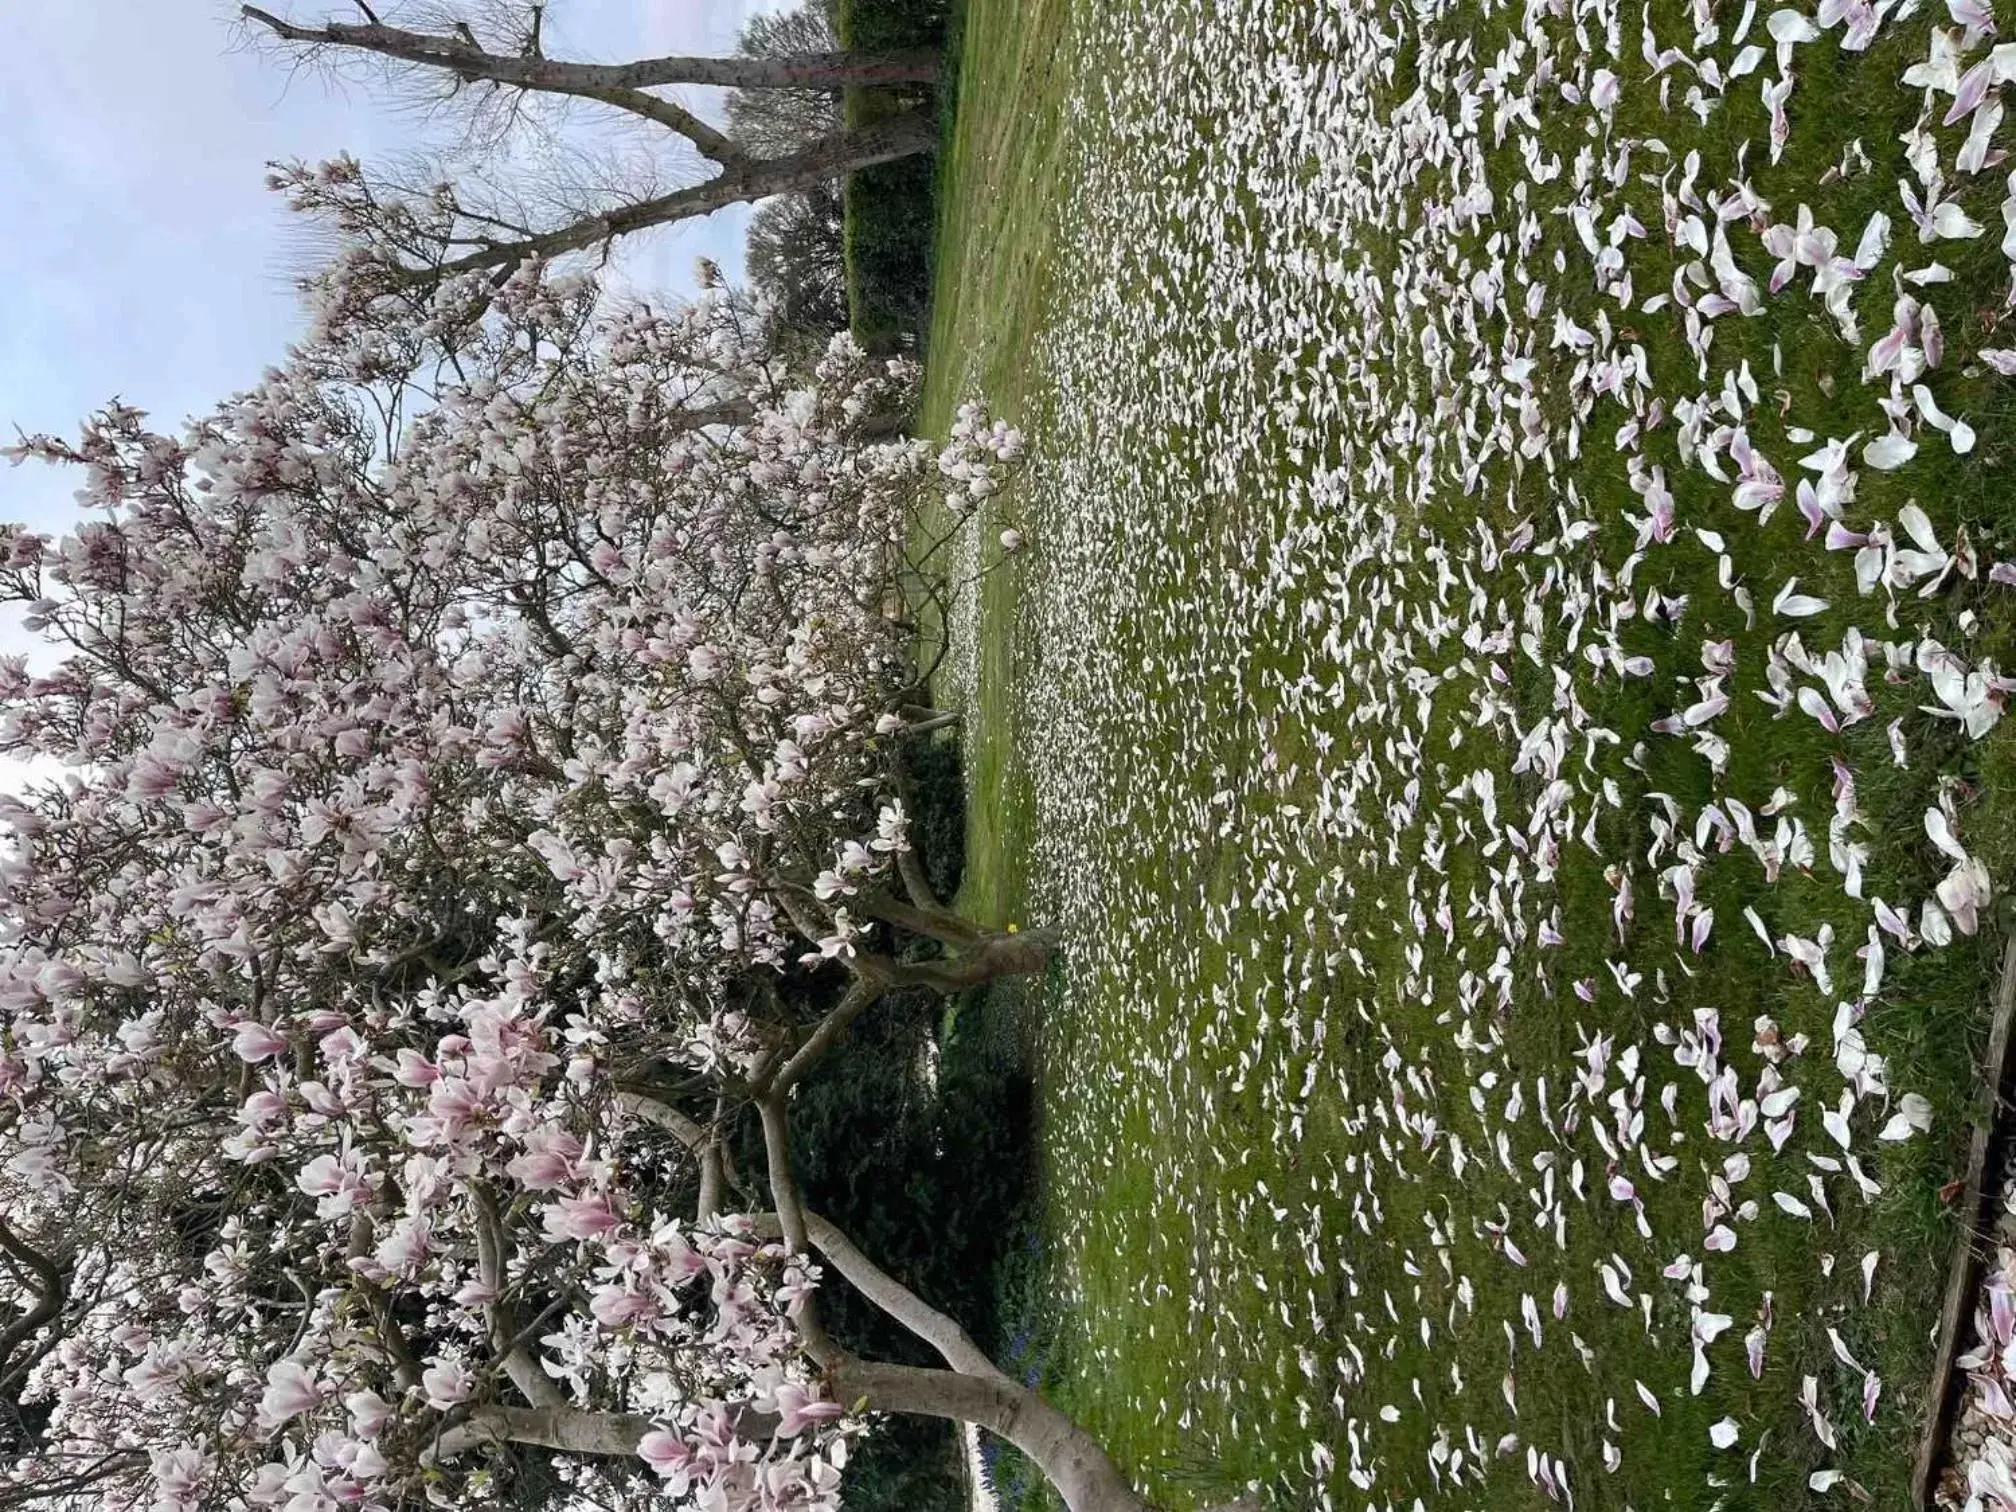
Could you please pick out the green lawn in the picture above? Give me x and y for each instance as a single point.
(1223, 727)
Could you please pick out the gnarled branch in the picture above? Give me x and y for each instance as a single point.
(463, 56)
(505, 1335)
(935, 1328)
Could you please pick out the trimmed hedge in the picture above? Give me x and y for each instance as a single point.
(890, 215)
(890, 25)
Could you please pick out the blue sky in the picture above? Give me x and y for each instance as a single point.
(142, 255)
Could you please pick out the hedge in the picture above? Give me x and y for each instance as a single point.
(890, 215)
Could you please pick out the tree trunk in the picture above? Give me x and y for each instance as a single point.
(458, 55)
(898, 136)
(1069, 1457)
(994, 956)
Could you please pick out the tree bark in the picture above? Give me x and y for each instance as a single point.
(935, 1328)
(924, 917)
(993, 957)
(899, 136)
(866, 990)
(566, 1429)
(1072, 1459)
(457, 55)
(51, 1292)
(974, 1391)
(492, 1264)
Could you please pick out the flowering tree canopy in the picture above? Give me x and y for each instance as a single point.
(467, 732)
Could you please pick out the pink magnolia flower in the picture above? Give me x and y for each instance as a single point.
(444, 1383)
(406, 1245)
(412, 1069)
(179, 1476)
(255, 1042)
(800, 1408)
(618, 1306)
(581, 1218)
(669, 1455)
(369, 1413)
(290, 1391)
(262, 1108)
(551, 1158)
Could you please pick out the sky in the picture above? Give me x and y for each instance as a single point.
(143, 257)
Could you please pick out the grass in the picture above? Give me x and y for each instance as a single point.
(1163, 710)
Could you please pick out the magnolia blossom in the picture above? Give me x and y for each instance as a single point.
(291, 1389)
(445, 1383)
(392, 861)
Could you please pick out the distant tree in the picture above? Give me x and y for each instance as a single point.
(404, 232)
(773, 122)
(794, 261)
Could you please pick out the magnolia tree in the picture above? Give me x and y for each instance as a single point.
(470, 733)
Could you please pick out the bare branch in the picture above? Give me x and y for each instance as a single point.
(898, 136)
(867, 986)
(466, 58)
(491, 1263)
(49, 1286)
(461, 54)
(813, 1338)
(935, 1328)
(652, 1110)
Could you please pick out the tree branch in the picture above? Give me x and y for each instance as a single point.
(717, 1168)
(1083, 1473)
(533, 70)
(925, 918)
(569, 1430)
(651, 1110)
(464, 57)
(935, 1328)
(898, 136)
(812, 1335)
(405, 1368)
(49, 1293)
(862, 994)
(519, 1365)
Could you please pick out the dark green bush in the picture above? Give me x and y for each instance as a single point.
(890, 221)
(891, 25)
(889, 228)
